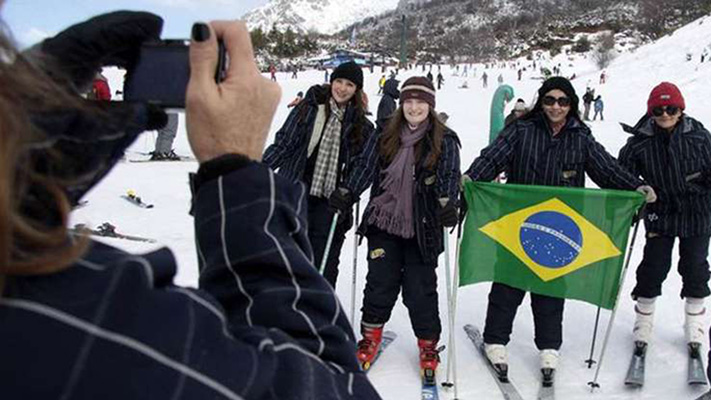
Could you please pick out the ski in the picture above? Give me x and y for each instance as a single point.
(547, 390)
(705, 396)
(508, 390)
(80, 204)
(107, 230)
(429, 385)
(388, 337)
(696, 373)
(131, 197)
(635, 372)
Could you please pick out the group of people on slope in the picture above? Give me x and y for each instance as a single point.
(263, 323)
(411, 160)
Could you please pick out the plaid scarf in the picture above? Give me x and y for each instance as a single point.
(323, 181)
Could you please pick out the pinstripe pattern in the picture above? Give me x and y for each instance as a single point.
(264, 326)
(677, 167)
(288, 153)
(429, 186)
(530, 154)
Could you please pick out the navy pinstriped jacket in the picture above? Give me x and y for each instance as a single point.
(430, 185)
(531, 155)
(264, 324)
(288, 153)
(677, 166)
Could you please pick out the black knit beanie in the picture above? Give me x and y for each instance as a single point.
(562, 84)
(350, 71)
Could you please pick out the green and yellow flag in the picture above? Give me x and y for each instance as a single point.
(555, 241)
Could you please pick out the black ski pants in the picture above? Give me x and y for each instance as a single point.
(656, 263)
(394, 263)
(503, 304)
(320, 219)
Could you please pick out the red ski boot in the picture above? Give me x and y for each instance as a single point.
(370, 344)
(429, 356)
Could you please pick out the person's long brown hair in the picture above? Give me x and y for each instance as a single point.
(356, 134)
(390, 139)
(29, 246)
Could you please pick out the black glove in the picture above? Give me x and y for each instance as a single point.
(82, 143)
(341, 200)
(115, 39)
(448, 215)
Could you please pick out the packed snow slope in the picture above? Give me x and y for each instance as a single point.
(630, 79)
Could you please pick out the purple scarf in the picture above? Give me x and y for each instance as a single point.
(392, 210)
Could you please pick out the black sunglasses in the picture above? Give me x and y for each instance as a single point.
(562, 101)
(670, 110)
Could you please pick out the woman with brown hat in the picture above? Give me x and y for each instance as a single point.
(413, 164)
(672, 152)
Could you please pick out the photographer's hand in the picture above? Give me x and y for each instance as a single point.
(233, 116)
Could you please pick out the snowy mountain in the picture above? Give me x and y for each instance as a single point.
(323, 16)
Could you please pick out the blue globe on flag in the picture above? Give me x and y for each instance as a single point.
(551, 239)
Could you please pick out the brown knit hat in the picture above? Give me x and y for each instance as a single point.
(418, 87)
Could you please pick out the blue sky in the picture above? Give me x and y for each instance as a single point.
(32, 20)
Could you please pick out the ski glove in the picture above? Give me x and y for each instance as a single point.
(81, 144)
(649, 195)
(78, 53)
(341, 200)
(447, 213)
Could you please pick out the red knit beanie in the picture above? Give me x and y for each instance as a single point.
(418, 87)
(665, 94)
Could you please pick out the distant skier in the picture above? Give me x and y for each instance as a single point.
(587, 101)
(387, 103)
(430, 77)
(485, 80)
(440, 80)
(381, 84)
(100, 89)
(500, 79)
(603, 77)
(599, 107)
(520, 73)
(517, 112)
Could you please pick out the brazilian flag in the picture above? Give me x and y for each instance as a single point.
(550, 240)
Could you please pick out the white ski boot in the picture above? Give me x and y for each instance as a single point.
(643, 324)
(549, 358)
(499, 358)
(694, 321)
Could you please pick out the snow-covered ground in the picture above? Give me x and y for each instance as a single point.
(630, 79)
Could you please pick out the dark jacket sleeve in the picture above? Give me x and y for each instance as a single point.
(605, 171)
(448, 169)
(385, 110)
(254, 255)
(364, 166)
(285, 139)
(495, 157)
(627, 158)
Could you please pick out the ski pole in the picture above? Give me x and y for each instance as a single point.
(455, 289)
(448, 281)
(590, 360)
(331, 232)
(355, 262)
(593, 384)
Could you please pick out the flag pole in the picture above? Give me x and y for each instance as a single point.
(590, 362)
(594, 383)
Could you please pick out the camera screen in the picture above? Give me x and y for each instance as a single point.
(161, 74)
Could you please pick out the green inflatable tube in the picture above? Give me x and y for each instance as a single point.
(503, 95)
